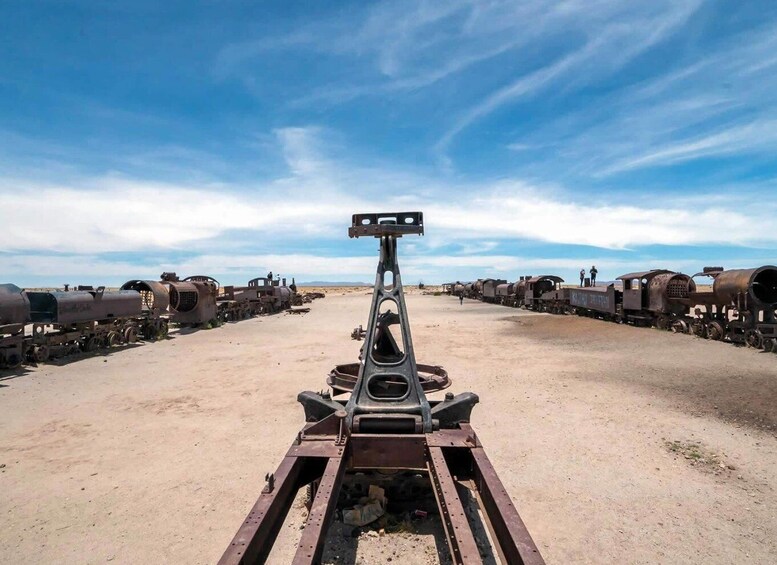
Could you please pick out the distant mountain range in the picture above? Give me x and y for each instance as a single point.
(329, 283)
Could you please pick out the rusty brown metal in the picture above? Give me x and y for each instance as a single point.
(747, 286)
(154, 296)
(14, 314)
(311, 544)
(343, 377)
(461, 541)
(490, 289)
(387, 431)
(535, 287)
(193, 302)
(77, 306)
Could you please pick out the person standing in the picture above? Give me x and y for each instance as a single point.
(461, 299)
(582, 276)
(594, 272)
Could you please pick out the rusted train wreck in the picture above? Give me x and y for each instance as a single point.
(740, 307)
(36, 326)
(388, 432)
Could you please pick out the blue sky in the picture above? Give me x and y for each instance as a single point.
(231, 138)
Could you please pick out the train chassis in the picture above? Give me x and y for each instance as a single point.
(58, 340)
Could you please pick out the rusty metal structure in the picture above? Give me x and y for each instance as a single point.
(84, 318)
(386, 431)
(14, 314)
(655, 297)
(64, 322)
(490, 289)
(155, 304)
(273, 295)
(193, 299)
(535, 287)
(741, 307)
(262, 295)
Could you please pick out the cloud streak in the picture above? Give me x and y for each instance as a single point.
(114, 214)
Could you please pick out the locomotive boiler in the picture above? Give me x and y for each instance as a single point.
(14, 314)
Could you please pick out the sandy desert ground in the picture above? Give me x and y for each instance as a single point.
(618, 444)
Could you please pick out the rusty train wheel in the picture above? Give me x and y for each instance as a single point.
(40, 353)
(13, 361)
(715, 331)
(112, 339)
(754, 338)
(768, 344)
(680, 327)
(130, 335)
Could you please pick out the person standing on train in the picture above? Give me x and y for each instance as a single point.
(582, 276)
(594, 272)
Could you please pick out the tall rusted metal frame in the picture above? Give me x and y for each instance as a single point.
(386, 425)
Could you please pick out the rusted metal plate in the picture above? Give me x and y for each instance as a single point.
(464, 549)
(317, 448)
(453, 438)
(388, 451)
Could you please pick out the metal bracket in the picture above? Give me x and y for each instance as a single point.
(395, 224)
(388, 383)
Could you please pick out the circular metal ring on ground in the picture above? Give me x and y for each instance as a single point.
(343, 377)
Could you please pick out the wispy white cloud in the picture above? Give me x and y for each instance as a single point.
(317, 197)
(719, 104)
(755, 136)
(613, 38)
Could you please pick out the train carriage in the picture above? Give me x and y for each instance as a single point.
(597, 301)
(489, 289)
